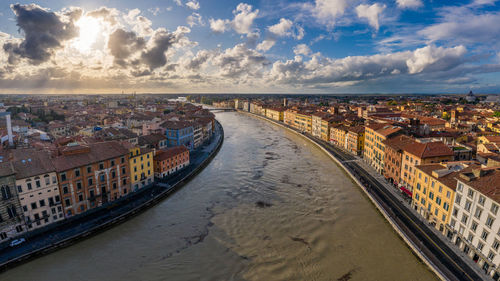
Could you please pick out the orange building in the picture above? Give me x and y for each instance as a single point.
(170, 160)
(91, 175)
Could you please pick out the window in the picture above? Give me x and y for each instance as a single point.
(417, 197)
(431, 195)
(123, 159)
(460, 187)
(124, 171)
(491, 256)
(496, 244)
(124, 181)
(481, 200)
(470, 237)
(464, 218)
(37, 183)
(89, 169)
(67, 202)
(440, 188)
(54, 179)
(452, 223)
(101, 165)
(80, 197)
(470, 194)
(65, 189)
(448, 194)
(446, 206)
(102, 178)
(112, 162)
(494, 208)
(30, 187)
(90, 181)
(480, 245)
(34, 206)
(19, 189)
(484, 236)
(11, 211)
(5, 192)
(468, 204)
(438, 200)
(473, 226)
(489, 221)
(63, 176)
(79, 185)
(42, 203)
(478, 212)
(443, 218)
(47, 179)
(436, 212)
(113, 174)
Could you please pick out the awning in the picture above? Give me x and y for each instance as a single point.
(406, 191)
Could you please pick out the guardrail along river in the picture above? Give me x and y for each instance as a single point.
(270, 206)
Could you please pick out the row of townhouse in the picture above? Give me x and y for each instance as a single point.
(462, 200)
(38, 188)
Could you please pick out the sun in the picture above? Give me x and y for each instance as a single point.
(90, 28)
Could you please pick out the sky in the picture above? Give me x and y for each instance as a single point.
(210, 46)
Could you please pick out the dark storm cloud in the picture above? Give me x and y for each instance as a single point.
(122, 44)
(155, 56)
(44, 31)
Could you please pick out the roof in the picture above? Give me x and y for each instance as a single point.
(151, 139)
(6, 169)
(398, 142)
(81, 155)
(487, 183)
(175, 125)
(430, 149)
(448, 176)
(28, 163)
(388, 130)
(164, 154)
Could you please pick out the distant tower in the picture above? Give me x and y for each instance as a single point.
(285, 102)
(9, 127)
(470, 97)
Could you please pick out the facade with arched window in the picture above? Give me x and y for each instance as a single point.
(11, 216)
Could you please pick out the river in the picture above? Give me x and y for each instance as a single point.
(270, 206)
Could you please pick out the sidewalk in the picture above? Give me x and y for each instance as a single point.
(405, 203)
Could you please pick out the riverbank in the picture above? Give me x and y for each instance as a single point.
(428, 246)
(81, 227)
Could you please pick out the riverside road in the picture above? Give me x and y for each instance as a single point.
(452, 266)
(69, 231)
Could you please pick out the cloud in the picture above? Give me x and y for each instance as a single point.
(44, 32)
(409, 4)
(154, 56)
(122, 44)
(319, 70)
(282, 28)
(266, 45)
(239, 61)
(219, 25)
(328, 11)
(371, 13)
(178, 2)
(106, 14)
(193, 5)
(463, 25)
(243, 19)
(244, 15)
(194, 19)
(302, 49)
(155, 11)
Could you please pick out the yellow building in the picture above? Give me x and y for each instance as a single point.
(141, 167)
(374, 147)
(419, 154)
(303, 122)
(338, 135)
(326, 125)
(275, 113)
(434, 191)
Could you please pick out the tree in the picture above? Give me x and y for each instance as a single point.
(496, 114)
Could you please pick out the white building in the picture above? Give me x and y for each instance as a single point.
(37, 188)
(475, 218)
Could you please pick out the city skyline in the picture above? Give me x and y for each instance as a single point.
(402, 46)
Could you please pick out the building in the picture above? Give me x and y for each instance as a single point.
(375, 135)
(394, 157)
(289, 117)
(90, 175)
(316, 123)
(338, 135)
(11, 214)
(419, 154)
(275, 113)
(156, 141)
(303, 122)
(197, 134)
(141, 166)
(355, 139)
(475, 218)
(37, 187)
(170, 160)
(434, 191)
(179, 133)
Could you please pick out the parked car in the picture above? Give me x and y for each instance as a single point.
(16, 242)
